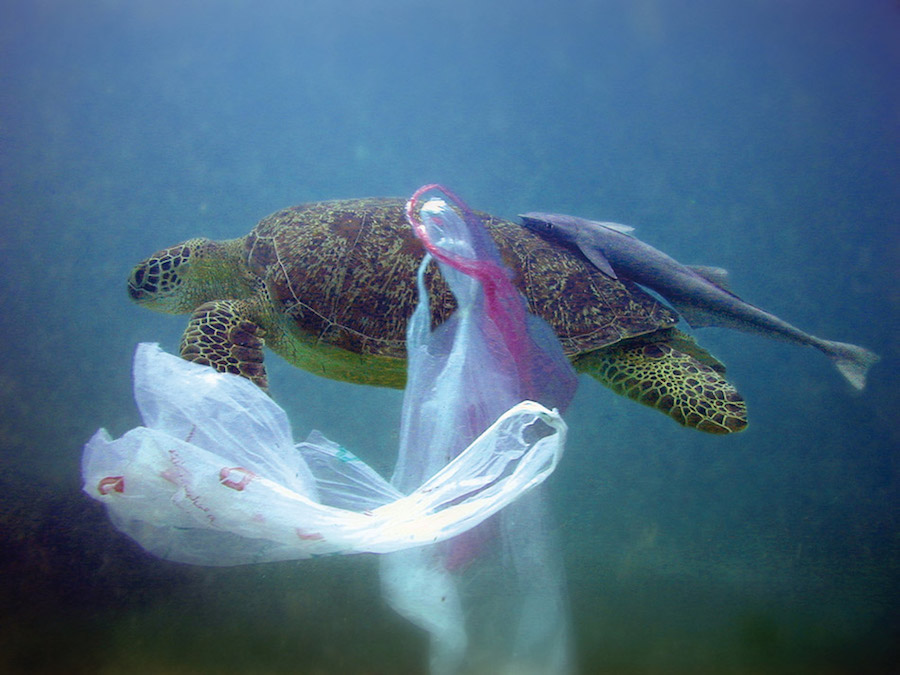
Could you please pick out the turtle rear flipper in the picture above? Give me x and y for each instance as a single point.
(674, 382)
(218, 335)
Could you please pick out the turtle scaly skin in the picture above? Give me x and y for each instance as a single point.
(217, 336)
(658, 375)
(329, 286)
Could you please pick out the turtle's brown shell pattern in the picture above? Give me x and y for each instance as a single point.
(344, 271)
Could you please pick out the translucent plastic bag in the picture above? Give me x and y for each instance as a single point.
(213, 477)
(493, 599)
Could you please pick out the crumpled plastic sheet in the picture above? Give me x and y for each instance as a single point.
(214, 478)
(493, 599)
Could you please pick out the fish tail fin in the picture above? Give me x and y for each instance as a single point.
(852, 361)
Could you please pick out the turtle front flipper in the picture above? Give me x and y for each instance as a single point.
(219, 336)
(674, 382)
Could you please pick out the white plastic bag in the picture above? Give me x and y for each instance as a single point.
(213, 478)
(492, 599)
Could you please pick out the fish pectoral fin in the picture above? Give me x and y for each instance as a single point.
(593, 253)
(714, 275)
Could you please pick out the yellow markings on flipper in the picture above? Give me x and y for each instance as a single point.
(660, 376)
(218, 336)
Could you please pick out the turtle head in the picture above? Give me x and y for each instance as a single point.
(178, 279)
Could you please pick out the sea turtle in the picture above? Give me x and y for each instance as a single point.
(330, 285)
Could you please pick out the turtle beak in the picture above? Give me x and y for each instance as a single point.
(136, 293)
(137, 283)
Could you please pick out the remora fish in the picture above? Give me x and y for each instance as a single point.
(699, 294)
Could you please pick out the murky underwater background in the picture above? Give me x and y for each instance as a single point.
(761, 136)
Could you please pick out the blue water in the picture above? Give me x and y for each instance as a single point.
(761, 136)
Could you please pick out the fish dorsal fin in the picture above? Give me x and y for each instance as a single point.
(618, 227)
(592, 252)
(714, 275)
